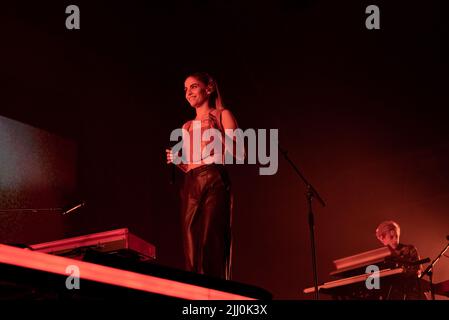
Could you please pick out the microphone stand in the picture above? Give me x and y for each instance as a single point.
(310, 194)
(45, 210)
(429, 271)
(30, 210)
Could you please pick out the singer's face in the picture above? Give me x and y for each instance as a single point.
(390, 238)
(195, 92)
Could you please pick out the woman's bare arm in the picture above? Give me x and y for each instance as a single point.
(229, 123)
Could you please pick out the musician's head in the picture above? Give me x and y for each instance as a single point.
(200, 89)
(388, 232)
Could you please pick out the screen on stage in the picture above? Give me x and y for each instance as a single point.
(37, 178)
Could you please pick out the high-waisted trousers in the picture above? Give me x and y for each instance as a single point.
(206, 210)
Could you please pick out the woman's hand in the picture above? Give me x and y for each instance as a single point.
(171, 157)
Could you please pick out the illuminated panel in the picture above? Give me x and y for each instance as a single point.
(55, 264)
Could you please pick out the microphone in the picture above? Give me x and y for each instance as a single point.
(422, 261)
(173, 174)
(407, 263)
(172, 177)
(82, 204)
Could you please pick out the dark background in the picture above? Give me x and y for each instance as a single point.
(362, 112)
(38, 170)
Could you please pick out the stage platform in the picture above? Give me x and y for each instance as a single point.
(31, 275)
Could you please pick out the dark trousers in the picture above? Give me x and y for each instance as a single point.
(206, 202)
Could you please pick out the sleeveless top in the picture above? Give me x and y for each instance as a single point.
(196, 129)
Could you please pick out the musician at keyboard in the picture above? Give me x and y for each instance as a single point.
(399, 266)
(402, 255)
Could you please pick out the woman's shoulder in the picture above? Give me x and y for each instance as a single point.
(222, 110)
(187, 124)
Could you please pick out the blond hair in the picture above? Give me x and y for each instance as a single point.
(386, 226)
